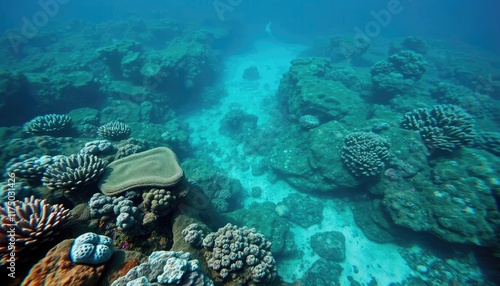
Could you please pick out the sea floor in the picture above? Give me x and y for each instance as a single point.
(272, 59)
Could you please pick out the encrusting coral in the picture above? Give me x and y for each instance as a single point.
(153, 168)
(29, 223)
(73, 172)
(50, 124)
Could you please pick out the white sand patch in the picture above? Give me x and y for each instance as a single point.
(381, 261)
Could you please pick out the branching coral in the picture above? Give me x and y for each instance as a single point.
(50, 124)
(444, 127)
(365, 153)
(73, 172)
(28, 223)
(116, 130)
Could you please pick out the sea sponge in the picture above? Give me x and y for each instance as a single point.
(157, 167)
(365, 153)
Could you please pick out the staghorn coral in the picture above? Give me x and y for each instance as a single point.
(49, 124)
(29, 223)
(73, 172)
(240, 254)
(365, 153)
(444, 127)
(116, 130)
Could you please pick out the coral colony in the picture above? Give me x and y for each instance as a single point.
(154, 155)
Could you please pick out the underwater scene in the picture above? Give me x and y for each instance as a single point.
(246, 142)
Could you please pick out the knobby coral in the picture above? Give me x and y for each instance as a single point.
(240, 254)
(443, 127)
(365, 153)
(28, 223)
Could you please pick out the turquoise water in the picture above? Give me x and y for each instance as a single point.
(345, 143)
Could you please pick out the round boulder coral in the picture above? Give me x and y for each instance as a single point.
(365, 153)
(50, 124)
(73, 172)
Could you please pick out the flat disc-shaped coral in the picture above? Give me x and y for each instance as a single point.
(153, 168)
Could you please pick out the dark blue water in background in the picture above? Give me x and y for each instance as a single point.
(471, 22)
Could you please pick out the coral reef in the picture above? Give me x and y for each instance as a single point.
(90, 248)
(365, 153)
(116, 130)
(153, 168)
(50, 124)
(73, 172)
(240, 254)
(489, 141)
(166, 267)
(30, 223)
(444, 127)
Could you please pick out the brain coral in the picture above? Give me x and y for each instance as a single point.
(365, 153)
(444, 127)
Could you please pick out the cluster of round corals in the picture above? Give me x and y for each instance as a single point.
(443, 127)
(73, 172)
(240, 254)
(158, 201)
(50, 124)
(365, 153)
(29, 223)
(115, 130)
